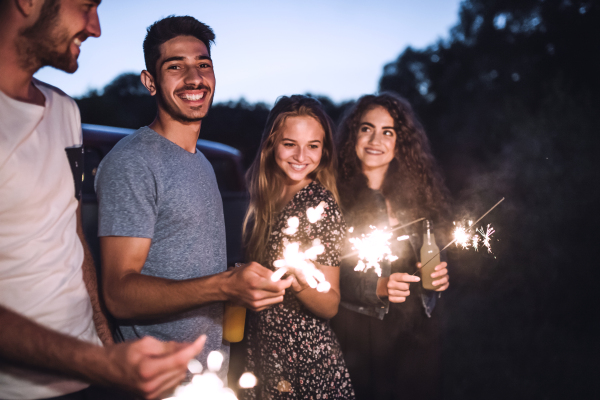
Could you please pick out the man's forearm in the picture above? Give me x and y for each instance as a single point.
(137, 296)
(28, 344)
(91, 283)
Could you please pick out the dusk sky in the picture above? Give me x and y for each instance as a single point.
(265, 49)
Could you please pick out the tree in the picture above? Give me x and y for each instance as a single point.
(510, 104)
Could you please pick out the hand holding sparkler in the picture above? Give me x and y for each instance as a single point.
(148, 366)
(396, 287)
(251, 286)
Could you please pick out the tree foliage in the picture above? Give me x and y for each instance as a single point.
(510, 104)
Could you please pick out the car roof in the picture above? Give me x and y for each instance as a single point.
(104, 134)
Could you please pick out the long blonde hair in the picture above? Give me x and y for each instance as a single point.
(265, 178)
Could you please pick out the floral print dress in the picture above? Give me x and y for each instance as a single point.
(293, 353)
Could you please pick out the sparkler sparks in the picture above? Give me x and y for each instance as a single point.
(374, 248)
(207, 385)
(314, 214)
(301, 263)
(293, 224)
(480, 218)
(486, 236)
(463, 237)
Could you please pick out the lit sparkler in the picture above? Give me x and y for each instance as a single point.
(474, 224)
(208, 385)
(314, 214)
(486, 236)
(302, 263)
(464, 238)
(292, 228)
(373, 248)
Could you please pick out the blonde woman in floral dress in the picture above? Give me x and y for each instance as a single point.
(290, 347)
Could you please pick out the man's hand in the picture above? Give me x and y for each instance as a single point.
(149, 367)
(250, 286)
(440, 271)
(396, 287)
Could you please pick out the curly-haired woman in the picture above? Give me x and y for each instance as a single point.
(388, 177)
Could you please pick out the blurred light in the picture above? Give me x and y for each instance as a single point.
(515, 77)
(500, 21)
(214, 361)
(435, 58)
(194, 366)
(247, 380)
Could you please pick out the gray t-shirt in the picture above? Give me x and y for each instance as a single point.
(149, 187)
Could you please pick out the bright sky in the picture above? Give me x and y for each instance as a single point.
(269, 48)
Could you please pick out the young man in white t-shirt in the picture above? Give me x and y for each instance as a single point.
(54, 339)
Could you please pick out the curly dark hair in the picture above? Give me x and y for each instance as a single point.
(412, 184)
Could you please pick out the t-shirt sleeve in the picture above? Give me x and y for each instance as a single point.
(127, 197)
(331, 230)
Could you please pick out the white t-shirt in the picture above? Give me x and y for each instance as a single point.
(40, 251)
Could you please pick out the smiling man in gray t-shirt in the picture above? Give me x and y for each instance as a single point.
(149, 187)
(161, 225)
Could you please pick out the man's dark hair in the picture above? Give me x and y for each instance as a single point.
(169, 28)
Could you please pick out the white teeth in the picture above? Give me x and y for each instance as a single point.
(298, 167)
(193, 97)
(374, 152)
(77, 42)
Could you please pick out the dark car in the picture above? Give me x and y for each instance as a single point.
(226, 161)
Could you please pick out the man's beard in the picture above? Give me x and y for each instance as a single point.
(177, 115)
(38, 45)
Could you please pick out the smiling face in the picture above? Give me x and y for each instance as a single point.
(376, 140)
(185, 79)
(54, 39)
(299, 150)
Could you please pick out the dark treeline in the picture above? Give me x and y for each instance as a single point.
(510, 102)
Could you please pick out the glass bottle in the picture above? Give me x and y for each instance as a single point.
(234, 319)
(430, 256)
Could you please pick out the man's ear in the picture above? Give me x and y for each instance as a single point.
(28, 7)
(148, 81)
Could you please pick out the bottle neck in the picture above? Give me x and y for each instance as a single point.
(428, 237)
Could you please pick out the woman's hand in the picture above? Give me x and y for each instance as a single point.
(441, 273)
(396, 287)
(299, 282)
(322, 304)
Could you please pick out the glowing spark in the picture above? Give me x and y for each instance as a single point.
(207, 385)
(214, 361)
(247, 380)
(194, 366)
(403, 237)
(314, 214)
(486, 236)
(293, 224)
(462, 236)
(372, 249)
(351, 229)
(475, 240)
(300, 263)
